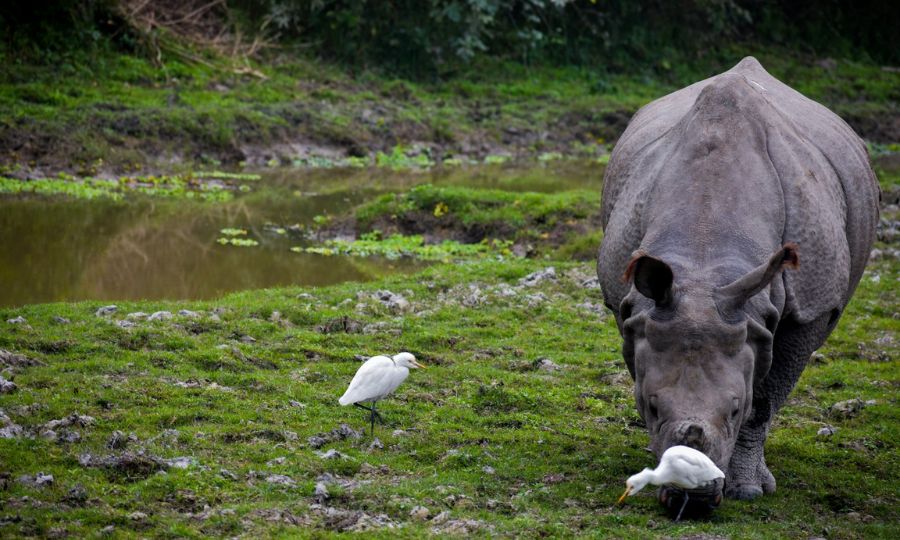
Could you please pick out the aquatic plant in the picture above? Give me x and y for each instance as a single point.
(398, 245)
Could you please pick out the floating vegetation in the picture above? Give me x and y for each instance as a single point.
(229, 231)
(398, 245)
(495, 160)
(175, 186)
(225, 175)
(399, 158)
(239, 242)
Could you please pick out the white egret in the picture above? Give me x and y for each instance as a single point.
(377, 378)
(682, 467)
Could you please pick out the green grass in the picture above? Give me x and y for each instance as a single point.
(558, 444)
(129, 113)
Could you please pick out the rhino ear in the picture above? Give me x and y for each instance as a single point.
(736, 293)
(652, 277)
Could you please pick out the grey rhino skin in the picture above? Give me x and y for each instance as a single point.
(710, 192)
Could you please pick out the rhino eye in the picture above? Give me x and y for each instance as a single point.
(652, 405)
(735, 407)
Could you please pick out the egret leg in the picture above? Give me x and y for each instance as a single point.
(372, 418)
(683, 505)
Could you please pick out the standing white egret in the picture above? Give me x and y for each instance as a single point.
(680, 466)
(378, 377)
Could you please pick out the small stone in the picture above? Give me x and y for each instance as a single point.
(189, 314)
(331, 454)
(60, 320)
(137, 516)
(108, 530)
(7, 387)
(106, 310)
(276, 461)
(441, 518)
(76, 495)
(136, 316)
(248, 339)
(545, 364)
(826, 431)
(376, 444)
(392, 301)
(317, 441)
(160, 316)
(487, 469)
(17, 320)
(182, 462)
(225, 473)
(321, 492)
(296, 404)
(846, 409)
(281, 480)
(125, 323)
(536, 278)
(420, 513)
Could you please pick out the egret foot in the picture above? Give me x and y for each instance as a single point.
(373, 415)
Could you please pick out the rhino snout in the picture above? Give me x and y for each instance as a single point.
(696, 435)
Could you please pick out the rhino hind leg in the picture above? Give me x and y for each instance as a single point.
(748, 476)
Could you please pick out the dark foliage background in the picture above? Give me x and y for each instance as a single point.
(432, 37)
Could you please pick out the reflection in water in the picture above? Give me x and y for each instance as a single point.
(62, 249)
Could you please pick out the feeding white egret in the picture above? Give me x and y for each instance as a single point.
(378, 377)
(680, 466)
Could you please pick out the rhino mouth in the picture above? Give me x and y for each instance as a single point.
(701, 502)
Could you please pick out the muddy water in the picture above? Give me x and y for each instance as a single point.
(54, 249)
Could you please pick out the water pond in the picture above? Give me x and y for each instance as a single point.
(141, 247)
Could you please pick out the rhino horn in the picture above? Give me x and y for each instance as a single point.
(736, 293)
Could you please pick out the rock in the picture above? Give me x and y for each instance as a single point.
(535, 299)
(137, 516)
(7, 387)
(591, 283)
(136, 465)
(11, 359)
(538, 277)
(160, 316)
(420, 513)
(392, 301)
(8, 428)
(341, 324)
(182, 462)
(598, 309)
(399, 433)
(876, 254)
(317, 441)
(340, 433)
(487, 469)
(106, 311)
(846, 409)
(376, 444)
(321, 492)
(60, 320)
(474, 298)
(331, 454)
(276, 461)
(545, 364)
(247, 339)
(118, 440)
(189, 314)
(826, 431)
(506, 290)
(108, 530)
(280, 480)
(296, 404)
(39, 480)
(74, 419)
(17, 320)
(125, 323)
(462, 527)
(136, 316)
(441, 518)
(76, 496)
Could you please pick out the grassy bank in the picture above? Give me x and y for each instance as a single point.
(114, 113)
(221, 420)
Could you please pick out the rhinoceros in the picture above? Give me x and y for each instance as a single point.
(709, 194)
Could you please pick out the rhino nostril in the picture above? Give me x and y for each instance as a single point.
(693, 437)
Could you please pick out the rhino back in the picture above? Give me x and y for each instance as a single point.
(731, 168)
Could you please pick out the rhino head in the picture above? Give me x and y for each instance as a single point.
(696, 348)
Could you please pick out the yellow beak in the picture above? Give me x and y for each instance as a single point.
(622, 498)
(418, 365)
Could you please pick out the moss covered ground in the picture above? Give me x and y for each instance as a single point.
(114, 113)
(221, 420)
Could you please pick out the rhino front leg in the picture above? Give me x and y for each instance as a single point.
(748, 476)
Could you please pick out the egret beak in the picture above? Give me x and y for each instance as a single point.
(622, 498)
(417, 364)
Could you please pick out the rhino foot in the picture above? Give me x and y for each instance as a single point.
(747, 487)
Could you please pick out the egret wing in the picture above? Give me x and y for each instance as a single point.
(694, 469)
(371, 380)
